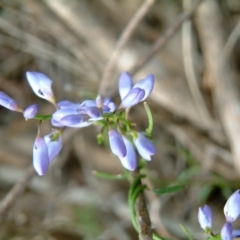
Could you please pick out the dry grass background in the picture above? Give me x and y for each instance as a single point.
(196, 107)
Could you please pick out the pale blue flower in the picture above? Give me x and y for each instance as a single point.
(54, 144)
(232, 207)
(41, 85)
(125, 84)
(130, 160)
(205, 217)
(40, 156)
(236, 233)
(117, 144)
(132, 95)
(226, 231)
(8, 102)
(144, 146)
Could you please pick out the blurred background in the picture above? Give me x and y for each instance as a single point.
(195, 103)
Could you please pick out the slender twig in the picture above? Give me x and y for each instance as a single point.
(163, 38)
(232, 40)
(189, 68)
(16, 190)
(126, 34)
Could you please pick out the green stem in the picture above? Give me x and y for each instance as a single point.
(150, 119)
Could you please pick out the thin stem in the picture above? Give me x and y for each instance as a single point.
(138, 207)
(188, 63)
(16, 190)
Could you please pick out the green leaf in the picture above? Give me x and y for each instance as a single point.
(216, 237)
(43, 117)
(168, 189)
(134, 184)
(188, 174)
(205, 191)
(108, 176)
(186, 232)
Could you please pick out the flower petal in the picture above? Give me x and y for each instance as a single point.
(146, 84)
(40, 156)
(144, 146)
(133, 97)
(125, 84)
(67, 104)
(56, 123)
(236, 233)
(205, 217)
(226, 231)
(31, 111)
(112, 107)
(93, 112)
(99, 101)
(71, 120)
(232, 207)
(61, 113)
(41, 85)
(54, 144)
(117, 144)
(130, 160)
(8, 102)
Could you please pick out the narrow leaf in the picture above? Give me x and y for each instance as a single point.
(168, 189)
(109, 176)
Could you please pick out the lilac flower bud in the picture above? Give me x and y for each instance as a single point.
(144, 146)
(226, 231)
(146, 84)
(232, 207)
(40, 156)
(31, 111)
(125, 84)
(54, 144)
(130, 160)
(117, 144)
(205, 217)
(133, 97)
(8, 102)
(41, 85)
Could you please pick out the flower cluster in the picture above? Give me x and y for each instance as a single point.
(122, 136)
(231, 212)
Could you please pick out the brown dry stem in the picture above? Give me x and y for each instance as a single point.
(164, 38)
(122, 41)
(221, 73)
(16, 190)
